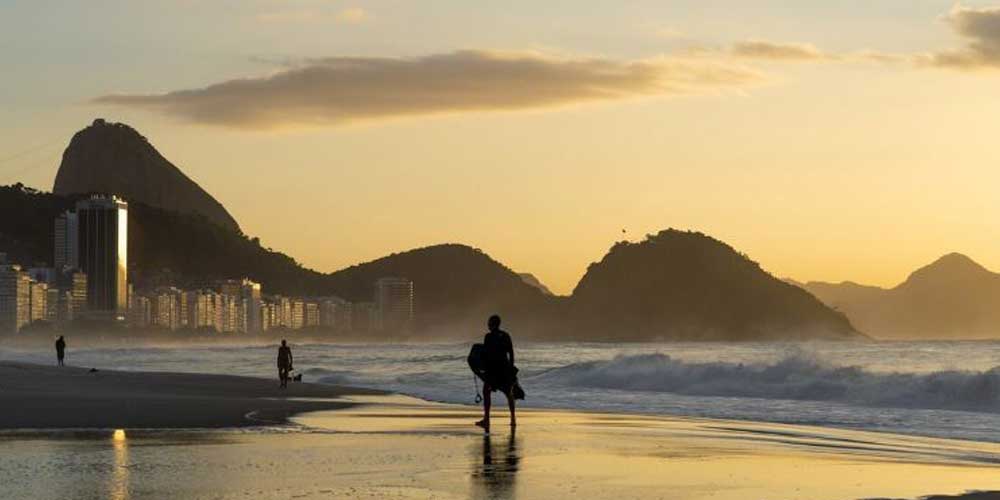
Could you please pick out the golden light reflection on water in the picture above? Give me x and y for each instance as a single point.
(118, 482)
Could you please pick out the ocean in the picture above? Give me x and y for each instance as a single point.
(935, 389)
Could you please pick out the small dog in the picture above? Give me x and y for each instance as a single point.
(297, 377)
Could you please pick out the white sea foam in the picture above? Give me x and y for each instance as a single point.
(792, 378)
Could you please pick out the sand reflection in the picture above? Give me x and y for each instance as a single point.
(495, 472)
(118, 481)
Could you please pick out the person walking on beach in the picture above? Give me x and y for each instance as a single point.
(500, 374)
(284, 363)
(60, 350)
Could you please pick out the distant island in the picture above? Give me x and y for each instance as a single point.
(674, 285)
(951, 298)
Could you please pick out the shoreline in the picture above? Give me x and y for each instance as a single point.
(356, 442)
(49, 397)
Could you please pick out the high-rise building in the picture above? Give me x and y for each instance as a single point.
(74, 282)
(393, 304)
(283, 312)
(102, 247)
(248, 304)
(310, 315)
(200, 310)
(38, 305)
(66, 243)
(298, 314)
(15, 298)
(363, 316)
(140, 311)
(335, 314)
(166, 308)
(251, 296)
(53, 301)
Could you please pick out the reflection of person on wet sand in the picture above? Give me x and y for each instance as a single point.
(497, 472)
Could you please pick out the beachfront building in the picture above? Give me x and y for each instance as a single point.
(266, 316)
(167, 311)
(37, 306)
(246, 296)
(102, 251)
(66, 243)
(15, 298)
(250, 292)
(140, 311)
(200, 309)
(65, 293)
(334, 314)
(298, 314)
(52, 303)
(284, 313)
(74, 282)
(46, 276)
(310, 315)
(363, 316)
(393, 304)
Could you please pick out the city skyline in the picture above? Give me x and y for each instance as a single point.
(821, 156)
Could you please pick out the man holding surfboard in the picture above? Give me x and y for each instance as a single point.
(493, 362)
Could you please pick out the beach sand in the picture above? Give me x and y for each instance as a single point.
(387, 446)
(42, 397)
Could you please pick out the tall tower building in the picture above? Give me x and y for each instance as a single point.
(15, 298)
(102, 248)
(249, 291)
(251, 296)
(393, 304)
(66, 245)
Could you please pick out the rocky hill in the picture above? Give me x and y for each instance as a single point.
(456, 288)
(951, 298)
(674, 285)
(685, 285)
(114, 158)
(533, 280)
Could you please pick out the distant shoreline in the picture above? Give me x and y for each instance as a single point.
(48, 397)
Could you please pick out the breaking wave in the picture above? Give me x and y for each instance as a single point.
(793, 378)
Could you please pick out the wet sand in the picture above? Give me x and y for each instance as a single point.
(385, 446)
(45, 397)
(398, 447)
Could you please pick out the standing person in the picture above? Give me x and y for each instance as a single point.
(500, 372)
(60, 350)
(284, 363)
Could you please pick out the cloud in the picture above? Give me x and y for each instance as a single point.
(759, 49)
(353, 15)
(980, 28)
(668, 33)
(340, 90)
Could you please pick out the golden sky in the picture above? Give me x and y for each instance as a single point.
(828, 142)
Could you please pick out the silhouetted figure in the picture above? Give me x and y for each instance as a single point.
(284, 363)
(500, 373)
(61, 350)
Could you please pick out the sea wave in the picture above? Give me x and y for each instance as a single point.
(792, 378)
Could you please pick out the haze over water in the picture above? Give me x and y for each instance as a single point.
(940, 389)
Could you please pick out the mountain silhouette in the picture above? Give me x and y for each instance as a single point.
(686, 285)
(673, 285)
(456, 287)
(952, 298)
(532, 280)
(114, 158)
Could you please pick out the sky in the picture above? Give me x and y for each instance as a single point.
(849, 140)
